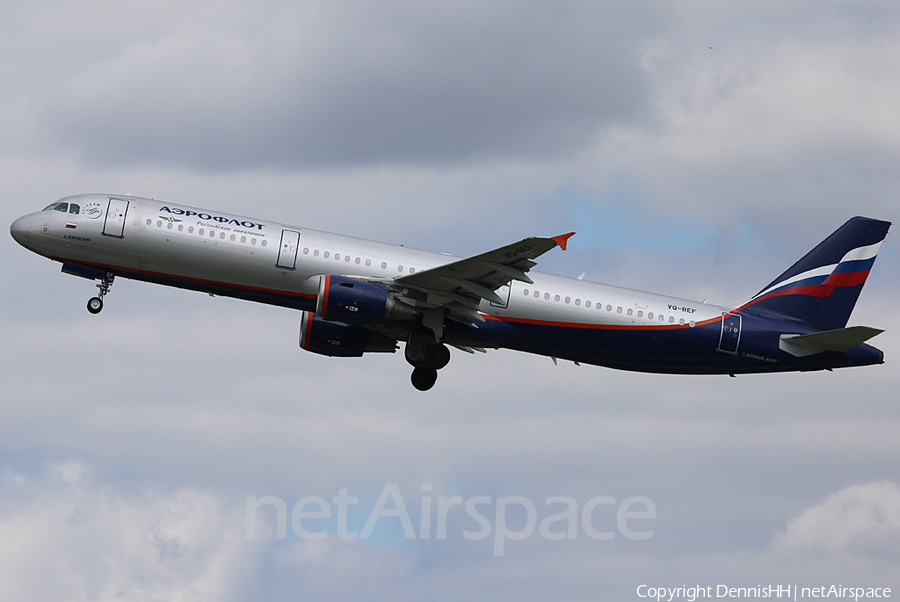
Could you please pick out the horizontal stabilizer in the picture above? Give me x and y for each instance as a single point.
(840, 340)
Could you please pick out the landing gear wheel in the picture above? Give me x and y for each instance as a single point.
(437, 356)
(94, 305)
(424, 378)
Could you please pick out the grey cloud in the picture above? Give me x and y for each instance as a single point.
(315, 85)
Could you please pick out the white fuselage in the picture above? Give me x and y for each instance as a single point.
(205, 247)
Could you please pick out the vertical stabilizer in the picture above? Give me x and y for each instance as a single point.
(822, 288)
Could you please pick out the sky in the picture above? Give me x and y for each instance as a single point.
(182, 447)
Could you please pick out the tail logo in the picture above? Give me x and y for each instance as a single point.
(851, 270)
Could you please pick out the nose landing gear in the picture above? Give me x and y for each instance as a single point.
(95, 304)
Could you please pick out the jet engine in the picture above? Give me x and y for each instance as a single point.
(354, 301)
(340, 340)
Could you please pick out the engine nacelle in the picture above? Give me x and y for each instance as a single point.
(340, 340)
(356, 302)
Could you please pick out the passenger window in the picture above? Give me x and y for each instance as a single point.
(525, 291)
(190, 229)
(671, 319)
(618, 310)
(577, 301)
(263, 243)
(587, 303)
(681, 321)
(159, 223)
(233, 238)
(568, 299)
(547, 296)
(169, 225)
(326, 255)
(537, 294)
(368, 262)
(337, 256)
(630, 311)
(399, 268)
(383, 265)
(609, 308)
(556, 298)
(74, 209)
(357, 261)
(180, 227)
(650, 316)
(640, 314)
(253, 242)
(149, 221)
(212, 233)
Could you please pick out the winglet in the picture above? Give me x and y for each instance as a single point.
(562, 239)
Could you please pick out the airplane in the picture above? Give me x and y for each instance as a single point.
(357, 296)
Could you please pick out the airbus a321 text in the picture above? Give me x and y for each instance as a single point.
(357, 296)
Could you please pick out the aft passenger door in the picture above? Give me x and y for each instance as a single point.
(114, 224)
(287, 252)
(731, 333)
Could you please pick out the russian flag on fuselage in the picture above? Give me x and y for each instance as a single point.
(822, 288)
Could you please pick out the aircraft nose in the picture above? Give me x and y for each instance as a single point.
(20, 229)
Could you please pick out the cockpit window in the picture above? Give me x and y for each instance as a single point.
(64, 207)
(74, 209)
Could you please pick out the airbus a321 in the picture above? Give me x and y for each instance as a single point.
(356, 296)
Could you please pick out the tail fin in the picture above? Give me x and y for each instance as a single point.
(823, 286)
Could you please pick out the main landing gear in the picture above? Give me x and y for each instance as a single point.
(426, 355)
(95, 304)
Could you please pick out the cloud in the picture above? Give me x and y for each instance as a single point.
(860, 520)
(325, 85)
(67, 536)
(789, 114)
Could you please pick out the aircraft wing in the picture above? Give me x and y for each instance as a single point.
(461, 285)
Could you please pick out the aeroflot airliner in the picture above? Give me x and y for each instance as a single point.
(357, 296)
